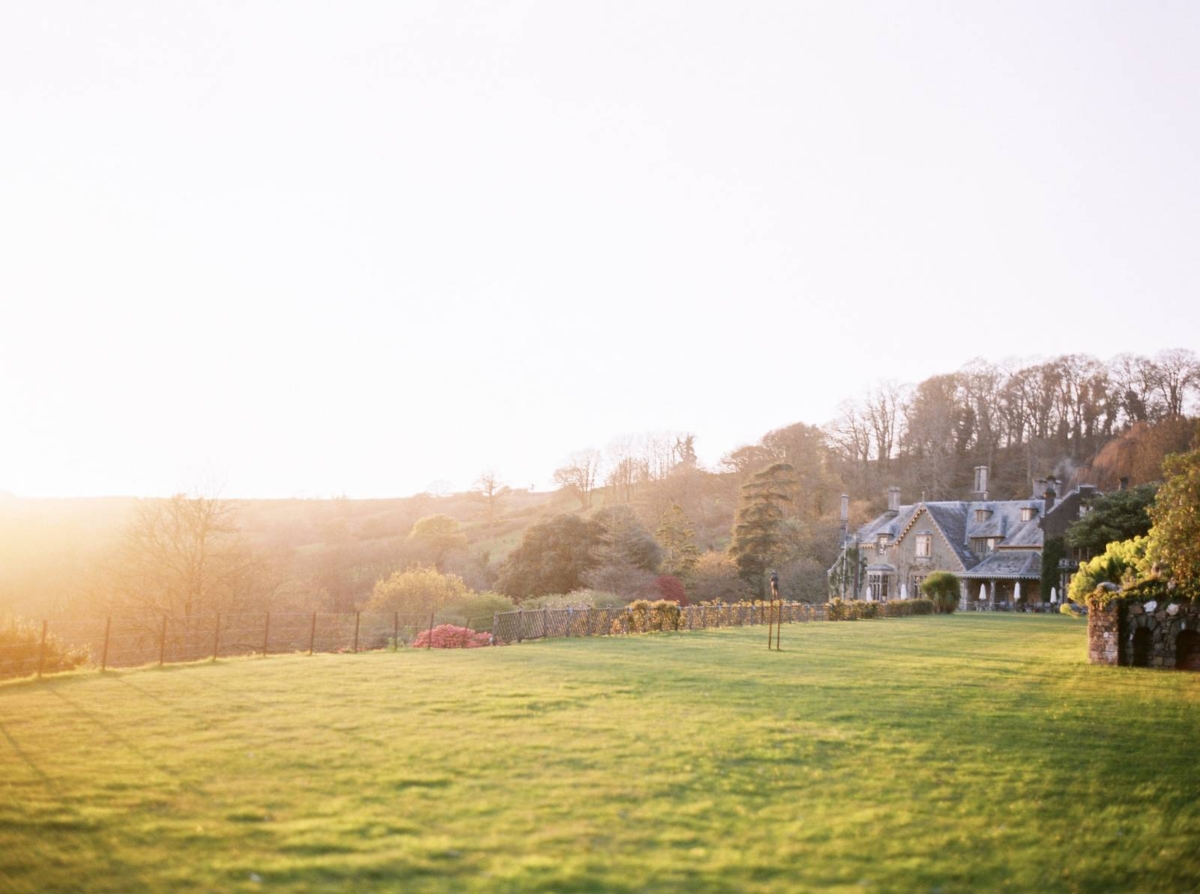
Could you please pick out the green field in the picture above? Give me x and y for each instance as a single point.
(933, 754)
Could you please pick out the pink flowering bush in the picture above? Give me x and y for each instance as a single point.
(447, 636)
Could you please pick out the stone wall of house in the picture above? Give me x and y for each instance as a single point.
(1133, 632)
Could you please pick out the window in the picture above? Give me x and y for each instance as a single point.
(881, 543)
(981, 546)
(982, 515)
(924, 546)
(878, 586)
(1027, 513)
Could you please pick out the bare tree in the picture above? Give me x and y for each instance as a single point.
(882, 411)
(579, 475)
(1176, 375)
(492, 490)
(185, 555)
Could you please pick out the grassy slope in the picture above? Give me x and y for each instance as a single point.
(952, 753)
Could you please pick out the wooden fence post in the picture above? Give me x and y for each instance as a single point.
(429, 642)
(312, 633)
(570, 619)
(42, 648)
(495, 629)
(520, 623)
(545, 623)
(396, 632)
(104, 654)
(357, 616)
(216, 636)
(162, 642)
(266, 633)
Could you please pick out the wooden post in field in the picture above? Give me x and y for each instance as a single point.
(42, 649)
(396, 632)
(357, 616)
(589, 621)
(429, 643)
(520, 623)
(570, 619)
(104, 654)
(496, 629)
(216, 636)
(312, 633)
(771, 615)
(266, 633)
(545, 623)
(162, 642)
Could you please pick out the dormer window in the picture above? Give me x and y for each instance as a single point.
(881, 543)
(982, 546)
(982, 515)
(1028, 513)
(924, 546)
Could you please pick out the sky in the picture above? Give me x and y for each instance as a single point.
(374, 248)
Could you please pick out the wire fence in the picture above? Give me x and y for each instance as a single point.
(116, 641)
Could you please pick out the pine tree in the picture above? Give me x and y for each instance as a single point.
(758, 527)
(678, 541)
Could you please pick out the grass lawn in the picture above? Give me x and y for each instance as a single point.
(973, 752)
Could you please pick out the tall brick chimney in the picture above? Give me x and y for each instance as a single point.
(1051, 494)
(893, 499)
(981, 476)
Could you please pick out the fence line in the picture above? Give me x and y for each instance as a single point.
(544, 623)
(115, 641)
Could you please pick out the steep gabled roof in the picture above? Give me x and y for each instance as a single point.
(947, 519)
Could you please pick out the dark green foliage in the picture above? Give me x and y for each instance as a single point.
(678, 541)
(1121, 515)
(625, 541)
(757, 531)
(1053, 551)
(553, 557)
(942, 589)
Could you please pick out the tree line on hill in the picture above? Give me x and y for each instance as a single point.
(645, 509)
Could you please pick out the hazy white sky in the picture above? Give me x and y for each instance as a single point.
(326, 248)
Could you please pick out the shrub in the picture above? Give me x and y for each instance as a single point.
(651, 617)
(922, 606)
(418, 591)
(671, 589)
(447, 636)
(576, 599)
(943, 591)
(479, 606)
(21, 649)
(1122, 562)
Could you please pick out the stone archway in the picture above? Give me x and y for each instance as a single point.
(1141, 642)
(1187, 650)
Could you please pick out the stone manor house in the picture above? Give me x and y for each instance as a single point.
(993, 546)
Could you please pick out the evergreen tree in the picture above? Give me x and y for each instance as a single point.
(758, 527)
(678, 541)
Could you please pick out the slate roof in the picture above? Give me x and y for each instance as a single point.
(1008, 563)
(956, 520)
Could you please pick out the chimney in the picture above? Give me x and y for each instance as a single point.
(1051, 494)
(981, 476)
(893, 499)
(1123, 483)
(1039, 488)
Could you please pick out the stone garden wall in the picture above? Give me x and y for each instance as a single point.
(1153, 633)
